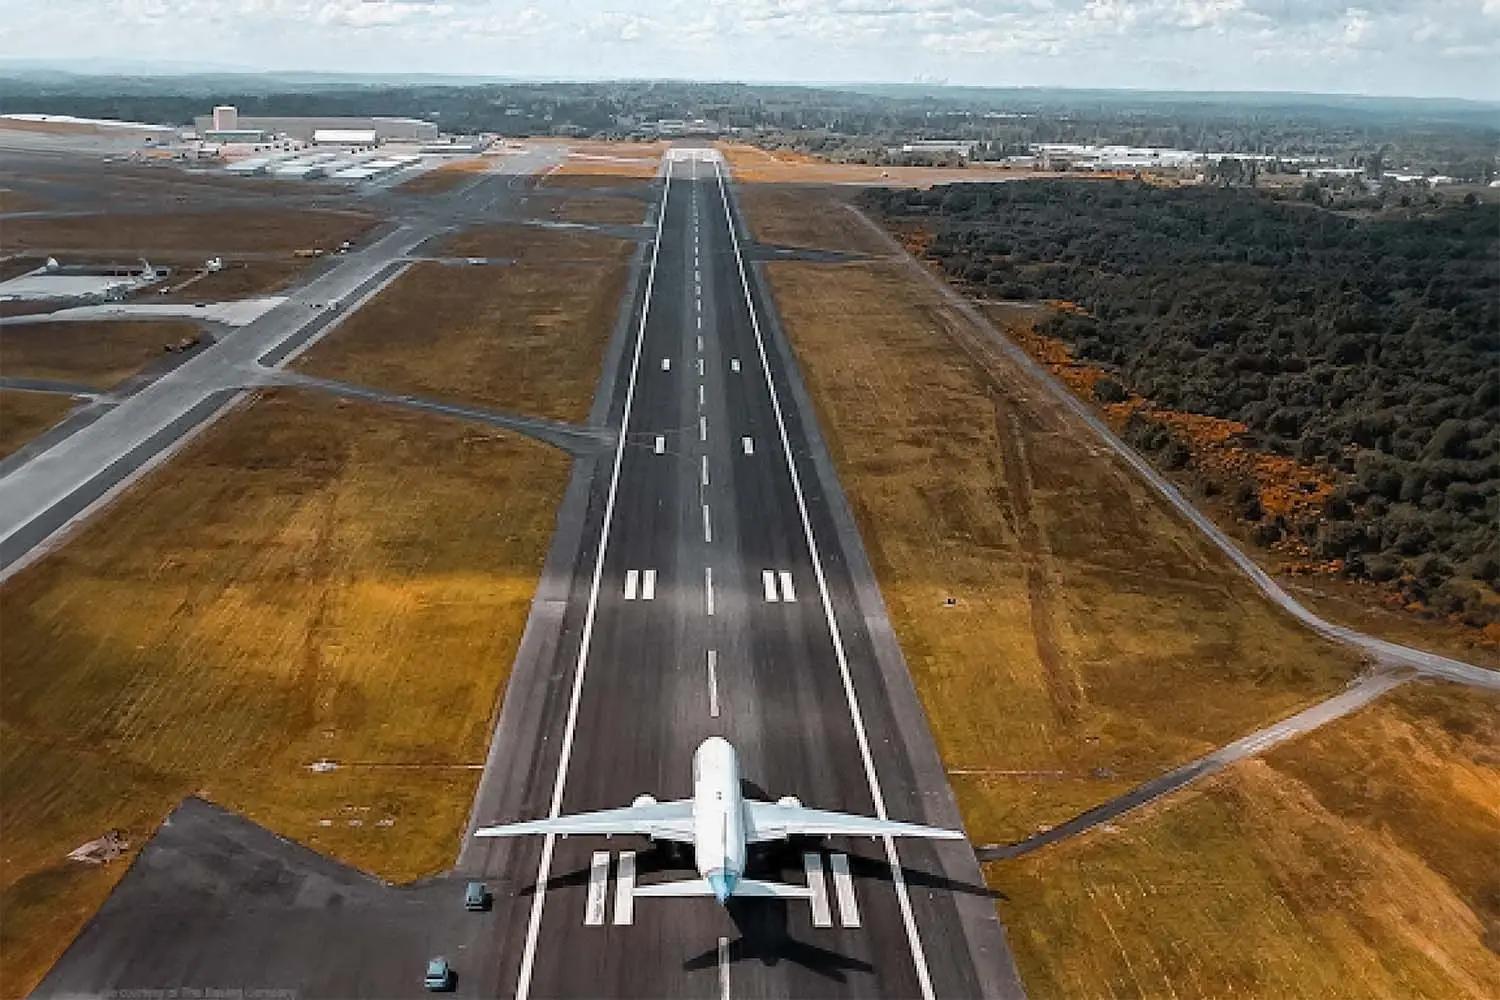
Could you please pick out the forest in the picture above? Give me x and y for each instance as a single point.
(1365, 347)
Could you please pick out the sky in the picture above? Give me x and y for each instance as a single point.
(1420, 48)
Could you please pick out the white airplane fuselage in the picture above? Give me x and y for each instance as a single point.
(718, 816)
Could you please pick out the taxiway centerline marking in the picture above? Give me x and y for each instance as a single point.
(898, 878)
(549, 842)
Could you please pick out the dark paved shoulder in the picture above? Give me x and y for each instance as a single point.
(215, 902)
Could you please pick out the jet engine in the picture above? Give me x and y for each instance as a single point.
(642, 800)
(789, 802)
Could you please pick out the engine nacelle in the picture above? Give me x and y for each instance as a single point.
(643, 800)
(789, 802)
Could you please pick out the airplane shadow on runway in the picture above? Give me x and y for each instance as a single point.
(762, 924)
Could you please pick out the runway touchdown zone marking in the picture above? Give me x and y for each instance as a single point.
(640, 583)
(778, 587)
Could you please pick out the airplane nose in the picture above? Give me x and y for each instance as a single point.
(722, 883)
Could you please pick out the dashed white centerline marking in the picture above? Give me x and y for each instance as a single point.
(700, 394)
(666, 364)
(787, 593)
(625, 889)
(699, 305)
(702, 428)
(593, 913)
(713, 683)
(723, 968)
(822, 915)
(700, 367)
(708, 531)
(708, 590)
(734, 364)
(748, 445)
(697, 275)
(632, 584)
(843, 887)
(768, 581)
(703, 476)
(661, 445)
(700, 343)
(700, 322)
(648, 585)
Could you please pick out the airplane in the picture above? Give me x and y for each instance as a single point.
(719, 823)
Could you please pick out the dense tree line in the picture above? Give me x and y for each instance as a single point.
(1367, 346)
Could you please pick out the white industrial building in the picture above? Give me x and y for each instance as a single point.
(227, 118)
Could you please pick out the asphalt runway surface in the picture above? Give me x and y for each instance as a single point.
(694, 511)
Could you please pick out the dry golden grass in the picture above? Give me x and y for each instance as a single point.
(450, 175)
(753, 165)
(24, 415)
(227, 231)
(808, 217)
(1097, 639)
(1358, 861)
(310, 580)
(606, 209)
(532, 244)
(528, 338)
(608, 162)
(100, 355)
(240, 279)
(15, 201)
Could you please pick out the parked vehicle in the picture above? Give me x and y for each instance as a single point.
(439, 978)
(477, 897)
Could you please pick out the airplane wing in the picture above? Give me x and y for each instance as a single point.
(771, 821)
(661, 820)
(744, 887)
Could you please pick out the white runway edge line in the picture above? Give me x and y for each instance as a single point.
(898, 879)
(549, 842)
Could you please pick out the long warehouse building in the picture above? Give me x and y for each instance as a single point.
(413, 129)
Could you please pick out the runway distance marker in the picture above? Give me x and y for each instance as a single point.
(822, 914)
(625, 889)
(787, 593)
(843, 886)
(593, 910)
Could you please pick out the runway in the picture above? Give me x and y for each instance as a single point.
(714, 592)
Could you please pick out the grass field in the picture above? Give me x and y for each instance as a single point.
(583, 205)
(753, 165)
(1358, 861)
(527, 339)
(310, 580)
(240, 279)
(1097, 640)
(24, 415)
(100, 355)
(532, 244)
(445, 178)
(609, 162)
(807, 217)
(226, 231)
